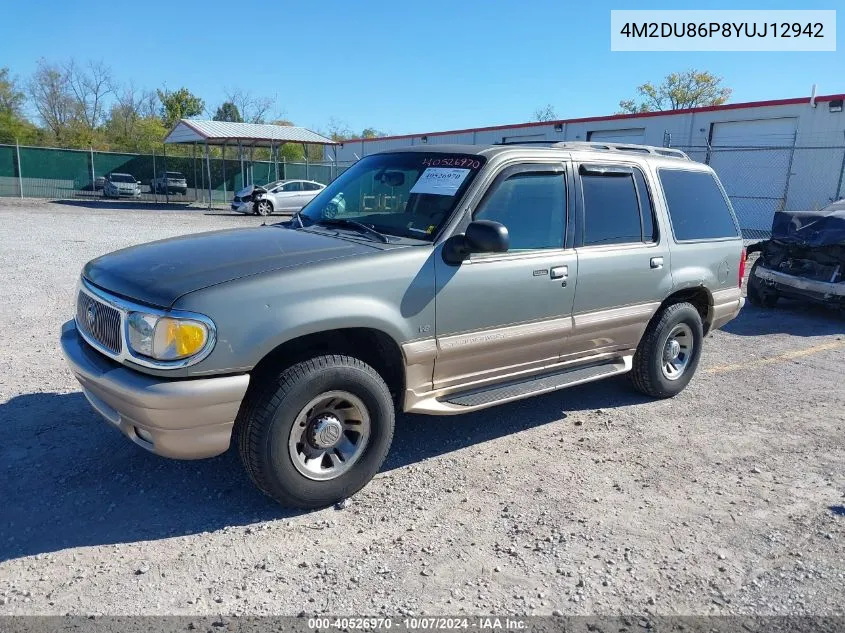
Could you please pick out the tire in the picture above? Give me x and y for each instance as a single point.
(263, 207)
(276, 415)
(680, 322)
(758, 295)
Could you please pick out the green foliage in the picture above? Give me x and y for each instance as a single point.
(687, 89)
(229, 112)
(371, 132)
(181, 104)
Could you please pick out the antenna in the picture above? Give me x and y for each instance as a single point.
(813, 97)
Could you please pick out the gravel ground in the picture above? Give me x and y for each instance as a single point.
(594, 500)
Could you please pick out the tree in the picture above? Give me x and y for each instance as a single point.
(181, 104)
(252, 109)
(546, 113)
(11, 98)
(678, 91)
(338, 130)
(229, 112)
(371, 132)
(50, 94)
(89, 86)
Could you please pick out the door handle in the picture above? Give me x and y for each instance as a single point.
(656, 262)
(559, 272)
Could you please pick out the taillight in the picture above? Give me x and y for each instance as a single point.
(742, 266)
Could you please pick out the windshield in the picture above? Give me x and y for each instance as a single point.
(121, 178)
(405, 194)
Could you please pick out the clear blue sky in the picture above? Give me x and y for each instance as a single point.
(400, 67)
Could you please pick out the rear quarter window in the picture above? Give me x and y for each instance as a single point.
(697, 208)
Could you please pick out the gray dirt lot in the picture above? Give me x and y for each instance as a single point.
(727, 499)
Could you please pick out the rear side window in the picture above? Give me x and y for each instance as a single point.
(617, 206)
(697, 208)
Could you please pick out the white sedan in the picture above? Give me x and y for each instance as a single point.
(283, 196)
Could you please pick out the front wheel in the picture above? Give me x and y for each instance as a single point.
(316, 433)
(668, 354)
(263, 207)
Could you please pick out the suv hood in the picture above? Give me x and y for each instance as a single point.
(159, 273)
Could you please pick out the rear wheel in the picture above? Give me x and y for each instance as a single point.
(668, 354)
(316, 433)
(758, 294)
(263, 207)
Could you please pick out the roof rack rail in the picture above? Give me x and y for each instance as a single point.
(668, 152)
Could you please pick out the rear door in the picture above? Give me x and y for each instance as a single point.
(623, 260)
(502, 314)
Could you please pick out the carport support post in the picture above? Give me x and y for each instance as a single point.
(93, 186)
(166, 190)
(152, 186)
(194, 157)
(241, 158)
(275, 150)
(225, 195)
(208, 168)
(20, 174)
(305, 151)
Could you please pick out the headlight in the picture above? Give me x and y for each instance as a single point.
(165, 338)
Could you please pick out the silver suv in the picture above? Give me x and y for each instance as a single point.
(456, 278)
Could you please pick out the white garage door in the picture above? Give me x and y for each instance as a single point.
(630, 135)
(752, 159)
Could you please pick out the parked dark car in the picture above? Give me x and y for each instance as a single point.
(804, 259)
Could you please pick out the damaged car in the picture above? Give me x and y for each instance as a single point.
(804, 259)
(284, 196)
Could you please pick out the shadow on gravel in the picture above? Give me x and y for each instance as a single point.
(130, 205)
(420, 437)
(787, 317)
(68, 479)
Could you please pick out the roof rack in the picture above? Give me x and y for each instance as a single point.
(668, 152)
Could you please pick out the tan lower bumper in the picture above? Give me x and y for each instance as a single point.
(182, 419)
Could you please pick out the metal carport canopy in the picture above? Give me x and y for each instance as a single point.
(249, 135)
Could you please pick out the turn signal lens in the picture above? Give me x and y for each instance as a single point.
(178, 338)
(165, 338)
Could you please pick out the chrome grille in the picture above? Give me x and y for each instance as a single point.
(99, 321)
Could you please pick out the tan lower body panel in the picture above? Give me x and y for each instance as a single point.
(434, 402)
(474, 360)
(726, 306)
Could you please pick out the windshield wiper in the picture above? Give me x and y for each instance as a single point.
(352, 224)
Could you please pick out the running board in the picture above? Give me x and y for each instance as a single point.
(471, 400)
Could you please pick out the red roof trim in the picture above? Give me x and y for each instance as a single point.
(611, 117)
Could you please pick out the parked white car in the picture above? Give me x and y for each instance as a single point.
(121, 186)
(283, 196)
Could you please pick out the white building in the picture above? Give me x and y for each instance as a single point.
(782, 154)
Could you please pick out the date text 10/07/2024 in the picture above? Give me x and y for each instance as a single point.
(483, 623)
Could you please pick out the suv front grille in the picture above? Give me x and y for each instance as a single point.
(99, 321)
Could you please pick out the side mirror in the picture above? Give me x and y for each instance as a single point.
(482, 236)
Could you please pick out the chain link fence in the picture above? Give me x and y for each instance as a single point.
(762, 180)
(759, 180)
(42, 172)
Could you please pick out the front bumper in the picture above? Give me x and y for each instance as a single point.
(242, 207)
(182, 419)
(802, 286)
